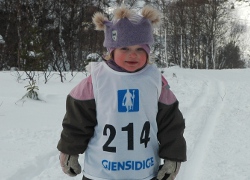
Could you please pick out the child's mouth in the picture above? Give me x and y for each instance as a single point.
(131, 62)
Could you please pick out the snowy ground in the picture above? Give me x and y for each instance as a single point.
(215, 104)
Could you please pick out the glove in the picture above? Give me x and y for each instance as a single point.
(70, 164)
(169, 170)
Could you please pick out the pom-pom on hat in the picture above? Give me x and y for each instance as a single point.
(127, 27)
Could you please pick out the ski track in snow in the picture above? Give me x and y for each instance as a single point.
(211, 95)
(36, 166)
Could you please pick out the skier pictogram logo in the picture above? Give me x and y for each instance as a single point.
(128, 100)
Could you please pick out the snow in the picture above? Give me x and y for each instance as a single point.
(215, 104)
(1, 39)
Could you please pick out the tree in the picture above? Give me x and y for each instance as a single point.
(230, 57)
(196, 29)
(58, 35)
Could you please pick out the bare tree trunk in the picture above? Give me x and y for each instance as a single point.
(181, 48)
(19, 34)
(8, 9)
(166, 53)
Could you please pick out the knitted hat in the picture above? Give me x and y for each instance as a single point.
(127, 27)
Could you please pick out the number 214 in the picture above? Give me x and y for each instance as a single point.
(144, 139)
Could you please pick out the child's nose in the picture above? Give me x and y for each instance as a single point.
(133, 54)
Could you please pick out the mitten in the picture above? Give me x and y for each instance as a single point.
(70, 164)
(169, 170)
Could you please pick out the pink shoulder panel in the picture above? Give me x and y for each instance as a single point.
(84, 90)
(167, 96)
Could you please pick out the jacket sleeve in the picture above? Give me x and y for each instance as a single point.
(171, 125)
(80, 119)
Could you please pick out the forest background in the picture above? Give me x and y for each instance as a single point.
(58, 35)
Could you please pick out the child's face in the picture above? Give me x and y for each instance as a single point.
(130, 58)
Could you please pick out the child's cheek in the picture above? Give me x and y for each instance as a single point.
(143, 58)
(119, 57)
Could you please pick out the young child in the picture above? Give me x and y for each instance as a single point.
(124, 117)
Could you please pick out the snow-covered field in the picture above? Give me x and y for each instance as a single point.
(215, 104)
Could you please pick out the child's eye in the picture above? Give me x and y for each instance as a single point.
(140, 49)
(124, 48)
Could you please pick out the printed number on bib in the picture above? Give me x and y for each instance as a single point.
(144, 138)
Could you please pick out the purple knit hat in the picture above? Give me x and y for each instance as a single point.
(128, 28)
(124, 33)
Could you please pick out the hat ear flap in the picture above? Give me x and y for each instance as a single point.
(152, 14)
(99, 19)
